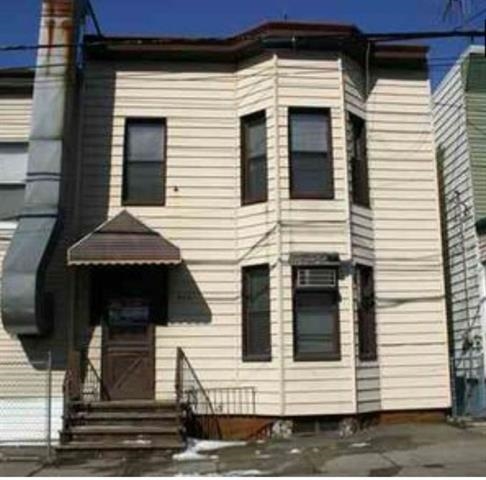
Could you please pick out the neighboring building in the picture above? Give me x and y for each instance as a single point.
(460, 124)
(253, 201)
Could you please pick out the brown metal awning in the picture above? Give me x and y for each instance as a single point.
(123, 240)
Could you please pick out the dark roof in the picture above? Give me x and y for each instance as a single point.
(268, 36)
(17, 80)
(123, 240)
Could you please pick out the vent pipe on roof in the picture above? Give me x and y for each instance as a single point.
(23, 296)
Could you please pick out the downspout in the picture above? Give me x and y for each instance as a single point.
(278, 236)
(25, 309)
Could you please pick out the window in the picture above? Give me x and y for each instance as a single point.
(316, 313)
(256, 313)
(359, 162)
(365, 299)
(310, 153)
(13, 172)
(144, 162)
(253, 159)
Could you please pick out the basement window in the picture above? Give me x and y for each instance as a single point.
(13, 172)
(316, 313)
(144, 166)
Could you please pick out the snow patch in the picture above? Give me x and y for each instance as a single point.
(195, 448)
(243, 473)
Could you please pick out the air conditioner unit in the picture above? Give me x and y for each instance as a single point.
(316, 278)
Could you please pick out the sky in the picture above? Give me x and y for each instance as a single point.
(19, 20)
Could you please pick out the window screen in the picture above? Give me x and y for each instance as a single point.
(256, 313)
(144, 168)
(13, 172)
(311, 170)
(254, 158)
(316, 316)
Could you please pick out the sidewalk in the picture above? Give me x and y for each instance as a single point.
(392, 450)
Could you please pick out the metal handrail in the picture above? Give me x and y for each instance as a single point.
(200, 419)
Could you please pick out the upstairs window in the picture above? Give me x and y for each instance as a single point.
(144, 162)
(256, 313)
(359, 162)
(253, 158)
(13, 172)
(310, 153)
(365, 299)
(316, 313)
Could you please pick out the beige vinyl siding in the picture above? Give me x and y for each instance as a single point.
(408, 259)
(452, 140)
(316, 226)
(362, 236)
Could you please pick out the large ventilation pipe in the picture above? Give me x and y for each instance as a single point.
(24, 303)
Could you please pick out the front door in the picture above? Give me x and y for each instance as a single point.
(129, 301)
(128, 349)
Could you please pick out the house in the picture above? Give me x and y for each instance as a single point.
(235, 224)
(459, 126)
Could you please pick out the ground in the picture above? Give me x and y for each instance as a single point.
(387, 450)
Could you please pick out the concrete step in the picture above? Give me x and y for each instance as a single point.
(123, 430)
(128, 405)
(96, 416)
(169, 444)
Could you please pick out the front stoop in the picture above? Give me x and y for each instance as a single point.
(119, 426)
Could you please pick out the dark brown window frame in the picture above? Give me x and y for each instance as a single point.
(251, 357)
(367, 340)
(134, 203)
(306, 357)
(245, 159)
(330, 194)
(360, 185)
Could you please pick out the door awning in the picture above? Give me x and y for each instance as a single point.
(123, 240)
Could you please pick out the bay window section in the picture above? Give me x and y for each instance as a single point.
(310, 154)
(316, 313)
(256, 313)
(253, 158)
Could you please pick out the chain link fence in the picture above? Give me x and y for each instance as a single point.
(30, 408)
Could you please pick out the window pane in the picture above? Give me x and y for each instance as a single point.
(144, 182)
(12, 200)
(256, 138)
(256, 185)
(309, 132)
(365, 297)
(256, 312)
(13, 162)
(145, 140)
(254, 158)
(311, 174)
(316, 322)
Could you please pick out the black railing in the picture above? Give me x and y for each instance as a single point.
(193, 402)
(232, 400)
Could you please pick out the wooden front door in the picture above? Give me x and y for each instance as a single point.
(129, 301)
(128, 366)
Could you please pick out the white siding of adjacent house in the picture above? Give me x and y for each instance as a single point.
(411, 317)
(462, 241)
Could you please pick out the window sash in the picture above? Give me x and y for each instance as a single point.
(359, 162)
(256, 313)
(316, 322)
(365, 299)
(144, 172)
(310, 154)
(254, 180)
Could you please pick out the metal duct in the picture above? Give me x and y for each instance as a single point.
(24, 306)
